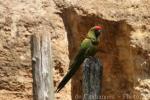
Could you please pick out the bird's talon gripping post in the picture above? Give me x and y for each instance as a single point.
(90, 57)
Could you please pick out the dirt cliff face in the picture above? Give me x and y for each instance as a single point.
(125, 40)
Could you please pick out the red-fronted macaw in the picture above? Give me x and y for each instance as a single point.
(88, 48)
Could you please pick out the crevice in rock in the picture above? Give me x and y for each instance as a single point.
(117, 60)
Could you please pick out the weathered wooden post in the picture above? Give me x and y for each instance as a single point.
(42, 67)
(92, 78)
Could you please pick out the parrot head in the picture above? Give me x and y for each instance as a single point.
(95, 32)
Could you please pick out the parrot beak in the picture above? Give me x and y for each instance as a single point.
(99, 31)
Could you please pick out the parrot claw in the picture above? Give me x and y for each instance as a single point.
(91, 57)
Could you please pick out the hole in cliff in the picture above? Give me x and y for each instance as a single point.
(115, 41)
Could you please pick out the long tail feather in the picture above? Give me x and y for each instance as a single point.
(74, 67)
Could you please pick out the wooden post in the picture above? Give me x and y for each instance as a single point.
(41, 67)
(92, 79)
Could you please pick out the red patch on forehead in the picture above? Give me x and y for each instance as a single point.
(98, 27)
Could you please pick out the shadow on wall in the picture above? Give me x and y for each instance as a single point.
(117, 59)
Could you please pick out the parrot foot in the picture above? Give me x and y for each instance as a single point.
(91, 57)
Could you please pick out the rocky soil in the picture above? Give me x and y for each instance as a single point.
(126, 42)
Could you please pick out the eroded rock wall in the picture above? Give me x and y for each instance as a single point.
(19, 19)
(126, 42)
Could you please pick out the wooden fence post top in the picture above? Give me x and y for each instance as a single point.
(92, 78)
(41, 67)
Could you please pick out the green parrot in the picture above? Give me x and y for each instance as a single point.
(88, 48)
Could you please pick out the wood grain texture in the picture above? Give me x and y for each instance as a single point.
(42, 67)
(92, 78)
